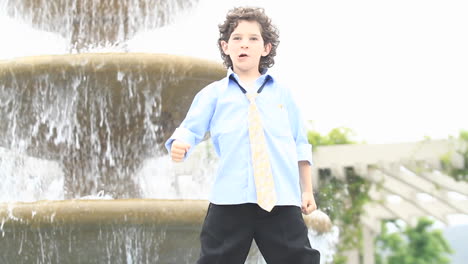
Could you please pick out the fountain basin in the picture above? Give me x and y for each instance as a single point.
(134, 211)
(100, 231)
(98, 115)
(115, 231)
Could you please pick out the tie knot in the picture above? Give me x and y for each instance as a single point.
(251, 97)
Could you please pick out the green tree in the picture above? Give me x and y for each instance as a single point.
(412, 245)
(336, 136)
(459, 174)
(342, 199)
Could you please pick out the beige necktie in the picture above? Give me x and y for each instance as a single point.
(265, 186)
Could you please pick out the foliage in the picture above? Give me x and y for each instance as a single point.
(336, 136)
(458, 173)
(342, 199)
(412, 245)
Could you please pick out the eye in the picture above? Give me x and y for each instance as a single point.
(236, 38)
(253, 38)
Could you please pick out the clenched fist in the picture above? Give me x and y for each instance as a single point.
(308, 203)
(178, 150)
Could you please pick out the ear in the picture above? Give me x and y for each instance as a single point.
(267, 50)
(224, 46)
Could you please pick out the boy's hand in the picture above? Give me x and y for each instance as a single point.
(178, 150)
(308, 203)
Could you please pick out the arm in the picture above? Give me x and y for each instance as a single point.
(304, 155)
(308, 200)
(193, 128)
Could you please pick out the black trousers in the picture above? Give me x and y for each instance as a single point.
(281, 235)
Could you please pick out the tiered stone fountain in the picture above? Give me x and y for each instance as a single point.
(76, 129)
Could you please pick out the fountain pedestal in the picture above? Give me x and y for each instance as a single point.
(98, 115)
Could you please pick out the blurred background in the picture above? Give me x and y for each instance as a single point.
(392, 71)
(363, 72)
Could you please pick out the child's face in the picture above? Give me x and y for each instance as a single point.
(245, 47)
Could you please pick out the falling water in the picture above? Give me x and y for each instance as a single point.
(91, 126)
(92, 24)
(98, 116)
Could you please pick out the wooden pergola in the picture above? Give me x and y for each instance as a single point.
(408, 183)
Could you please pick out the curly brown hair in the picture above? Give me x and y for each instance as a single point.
(270, 33)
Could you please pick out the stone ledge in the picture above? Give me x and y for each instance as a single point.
(131, 211)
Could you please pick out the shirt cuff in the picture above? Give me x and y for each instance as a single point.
(183, 135)
(304, 152)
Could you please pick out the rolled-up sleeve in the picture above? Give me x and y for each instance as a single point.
(303, 148)
(193, 128)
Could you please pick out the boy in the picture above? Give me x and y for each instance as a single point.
(265, 158)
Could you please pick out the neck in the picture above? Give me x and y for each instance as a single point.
(248, 78)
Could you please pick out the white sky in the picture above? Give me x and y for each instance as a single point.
(393, 71)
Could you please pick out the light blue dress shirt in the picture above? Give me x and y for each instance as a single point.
(221, 109)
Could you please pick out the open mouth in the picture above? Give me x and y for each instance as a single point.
(242, 55)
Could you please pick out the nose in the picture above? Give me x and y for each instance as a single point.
(244, 44)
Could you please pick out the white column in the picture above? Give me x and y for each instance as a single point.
(368, 245)
(352, 256)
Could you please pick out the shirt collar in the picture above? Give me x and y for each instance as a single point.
(264, 73)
